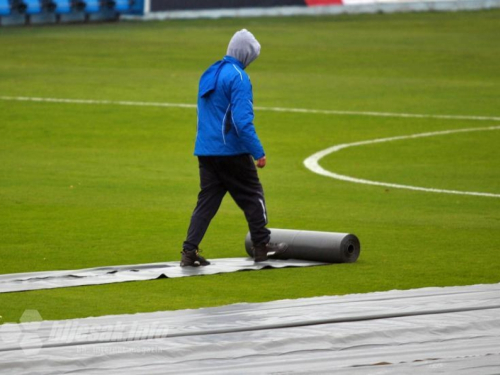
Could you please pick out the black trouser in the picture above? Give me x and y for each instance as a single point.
(238, 176)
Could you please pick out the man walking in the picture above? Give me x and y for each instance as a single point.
(226, 147)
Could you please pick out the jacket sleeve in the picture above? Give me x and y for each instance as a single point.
(242, 115)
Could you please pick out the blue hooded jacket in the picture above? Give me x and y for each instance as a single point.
(225, 112)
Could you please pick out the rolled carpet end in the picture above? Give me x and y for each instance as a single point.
(316, 246)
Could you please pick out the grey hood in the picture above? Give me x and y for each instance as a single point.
(244, 47)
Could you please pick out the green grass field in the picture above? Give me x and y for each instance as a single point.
(86, 185)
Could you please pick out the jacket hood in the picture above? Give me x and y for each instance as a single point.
(244, 47)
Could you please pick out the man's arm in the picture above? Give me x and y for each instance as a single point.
(242, 112)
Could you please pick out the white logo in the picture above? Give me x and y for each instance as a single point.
(34, 333)
(24, 335)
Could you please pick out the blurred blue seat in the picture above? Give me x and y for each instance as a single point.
(33, 6)
(62, 6)
(121, 6)
(92, 6)
(4, 7)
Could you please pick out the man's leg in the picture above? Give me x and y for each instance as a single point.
(242, 181)
(209, 200)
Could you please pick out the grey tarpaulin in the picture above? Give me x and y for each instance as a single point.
(453, 330)
(17, 282)
(311, 245)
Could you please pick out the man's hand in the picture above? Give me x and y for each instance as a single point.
(261, 163)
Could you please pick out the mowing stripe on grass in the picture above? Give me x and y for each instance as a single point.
(271, 109)
(312, 162)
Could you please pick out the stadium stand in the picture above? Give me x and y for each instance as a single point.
(16, 12)
(24, 12)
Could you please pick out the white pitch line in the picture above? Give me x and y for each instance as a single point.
(312, 162)
(90, 101)
(378, 114)
(270, 109)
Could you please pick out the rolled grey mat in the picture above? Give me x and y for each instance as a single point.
(316, 246)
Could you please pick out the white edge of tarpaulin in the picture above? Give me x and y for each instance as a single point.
(349, 7)
(18, 282)
(451, 330)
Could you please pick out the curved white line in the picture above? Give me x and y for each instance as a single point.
(312, 164)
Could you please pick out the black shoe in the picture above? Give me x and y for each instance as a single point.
(193, 258)
(263, 251)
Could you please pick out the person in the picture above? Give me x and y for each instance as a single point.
(226, 146)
